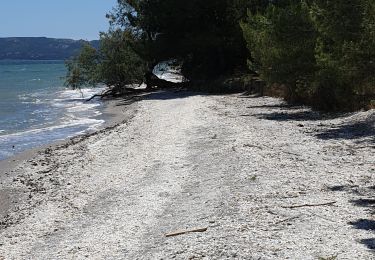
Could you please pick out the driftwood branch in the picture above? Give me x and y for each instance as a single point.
(97, 95)
(103, 94)
(287, 219)
(113, 92)
(309, 205)
(186, 232)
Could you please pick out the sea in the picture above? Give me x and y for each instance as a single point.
(37, 109)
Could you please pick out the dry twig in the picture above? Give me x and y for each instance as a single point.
(287, 219)
(186, 232)
(309, 205)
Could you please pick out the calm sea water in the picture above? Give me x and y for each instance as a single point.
(36, 109)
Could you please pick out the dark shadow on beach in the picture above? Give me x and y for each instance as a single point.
(160, 95)
(370, 243)
(368, 203)
(277, 106)
(365, 199)
(349, 131)
(352, 131)
(344, 188)
(365, 224)
(173, 94)
(291, 116)
(368, 225)
(156, 95)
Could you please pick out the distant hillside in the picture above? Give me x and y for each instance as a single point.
(39, 48)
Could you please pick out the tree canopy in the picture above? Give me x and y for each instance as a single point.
(322, 51)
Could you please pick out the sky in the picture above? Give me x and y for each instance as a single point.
(72, 19)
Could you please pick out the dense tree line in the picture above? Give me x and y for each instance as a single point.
(321, 51)
(204, 36)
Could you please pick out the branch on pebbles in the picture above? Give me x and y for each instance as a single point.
(287, 220)
(102, 95)
(186, 232)
(309, 205)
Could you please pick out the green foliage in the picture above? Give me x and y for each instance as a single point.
(115, 64)
(323, 51)
(204, 35)
(338, 25)
(281, 41)
(120, 65)
(344, 53)
(83, 68)
(366, 57)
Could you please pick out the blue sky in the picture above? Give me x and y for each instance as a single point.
(74, 19)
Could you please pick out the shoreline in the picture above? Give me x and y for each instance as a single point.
(111, 112)
(116, 112)
(184, 161)
(187, 161)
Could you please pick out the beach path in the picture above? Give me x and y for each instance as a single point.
(254, 178)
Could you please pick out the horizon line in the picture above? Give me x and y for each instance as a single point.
(50, 37)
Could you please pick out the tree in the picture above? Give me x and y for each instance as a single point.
(322, 50)
(115, 63)
(281, 41)
(120, 65)
(204, 35)
(344, 52)
(82, 70)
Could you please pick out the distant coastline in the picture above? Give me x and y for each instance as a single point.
(40, 48)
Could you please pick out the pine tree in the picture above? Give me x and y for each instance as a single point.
(281, 42)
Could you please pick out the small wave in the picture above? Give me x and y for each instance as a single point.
(37, 101)
(40, 111)
(38, 94)
(80, 94)
(13, 71)
(15, 143)
(23, 97)
(89, 122)
(32, 101)
(74, 101)
(54, 114)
